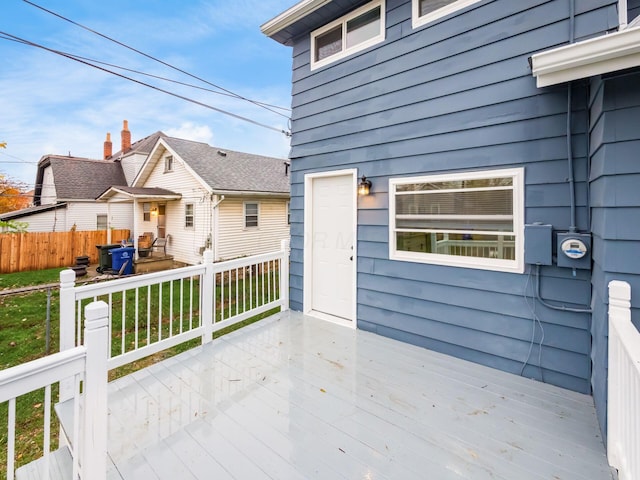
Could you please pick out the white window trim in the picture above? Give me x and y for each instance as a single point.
(513, 266)
(168, 160)
(345, 52)
(244, 217)
(418, 21)
(193, 216)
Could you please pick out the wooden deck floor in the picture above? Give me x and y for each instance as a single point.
(292, 397)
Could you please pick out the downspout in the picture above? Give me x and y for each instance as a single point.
(572, 186)
(216, 228)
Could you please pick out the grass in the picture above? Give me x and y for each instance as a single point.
(23, 337)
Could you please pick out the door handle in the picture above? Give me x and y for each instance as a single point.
(351, 258)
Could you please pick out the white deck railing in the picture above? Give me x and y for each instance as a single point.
(623, 404)
(86, 364)
(128, 319)
(477, 248)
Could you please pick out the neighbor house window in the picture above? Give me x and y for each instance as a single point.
(102, 222)
(288, 213)
(425, 11)
(146, 211)
(353, 32)
(251, 215)
(472, 219)
(189, 220)
(168, 163)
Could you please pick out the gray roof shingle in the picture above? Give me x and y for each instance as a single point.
(228, 170)
(82, 178)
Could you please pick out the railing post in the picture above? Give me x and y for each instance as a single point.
(96, 341)
(284, 275)
(67, 324)
(206, 297)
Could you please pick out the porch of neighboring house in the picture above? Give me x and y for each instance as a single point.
(295, 397)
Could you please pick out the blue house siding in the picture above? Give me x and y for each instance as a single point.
(456, 95)
(615, 206)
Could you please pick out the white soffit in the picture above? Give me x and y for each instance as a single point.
(291, 16)
(608, 53)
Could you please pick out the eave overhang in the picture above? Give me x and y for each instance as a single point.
(596, 56)
(291, 16)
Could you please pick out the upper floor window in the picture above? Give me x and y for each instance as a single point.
(168, 163)
(425, 11)
(470, 219)
(353, 32)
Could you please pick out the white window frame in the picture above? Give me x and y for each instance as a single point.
(289, 213)
(502, 265)
(343, 21)
(105, 217)
(168, 163)
(257, 215)
(192, 216)
(418, 21)
(146, 211)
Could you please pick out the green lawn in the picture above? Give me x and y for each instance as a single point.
(22, 336)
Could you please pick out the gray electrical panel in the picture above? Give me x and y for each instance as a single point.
(538, 244)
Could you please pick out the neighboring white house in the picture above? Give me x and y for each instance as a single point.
(66, 188)
(199, 197)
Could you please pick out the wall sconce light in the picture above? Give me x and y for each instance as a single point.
(154, 212)
(364, 187)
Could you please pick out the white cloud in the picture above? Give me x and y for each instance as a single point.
(191, 131)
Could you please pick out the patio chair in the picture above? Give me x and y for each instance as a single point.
(159, 243)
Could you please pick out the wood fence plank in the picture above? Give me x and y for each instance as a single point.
(21, 252)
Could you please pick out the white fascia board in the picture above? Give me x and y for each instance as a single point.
(608, 53)
(291, 16)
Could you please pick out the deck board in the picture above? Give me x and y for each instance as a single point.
(293, 397)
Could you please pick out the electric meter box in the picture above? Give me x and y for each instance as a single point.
(574, 250)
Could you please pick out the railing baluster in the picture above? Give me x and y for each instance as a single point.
(160, 311)
(262, 288)
(47, 430)
(251, 287)
(237, 291)
(149, 315)
(136, 317)
(171, 308)
(181, 303)
(123, 320)
(229, 290)
(11, 439)
(191, 303)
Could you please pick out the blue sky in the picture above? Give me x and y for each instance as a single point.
(52, 105)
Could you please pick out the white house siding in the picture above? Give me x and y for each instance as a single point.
(184, 243)
(84, 215)
(131, 164)
(234, 240)
(51, 221)
(48, 195)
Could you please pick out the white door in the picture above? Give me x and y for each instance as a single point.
(332, 246)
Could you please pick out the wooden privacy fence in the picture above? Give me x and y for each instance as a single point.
(21, 252)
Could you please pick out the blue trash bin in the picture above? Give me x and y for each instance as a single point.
(121, 255)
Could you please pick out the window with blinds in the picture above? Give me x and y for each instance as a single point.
(470, 219)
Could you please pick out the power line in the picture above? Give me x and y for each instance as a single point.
(182, 97)
(159, 77)
(62, 17)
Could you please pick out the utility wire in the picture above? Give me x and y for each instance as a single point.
(182, 97)
(92, 60)
(150, 56)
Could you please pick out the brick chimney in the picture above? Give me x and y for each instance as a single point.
(126, 137)
(108, 147)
